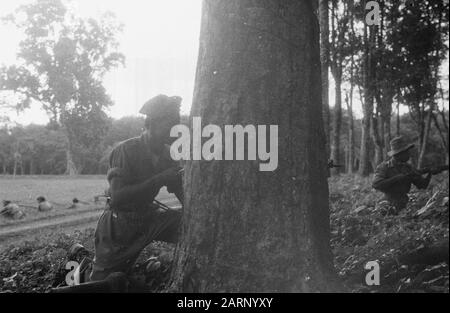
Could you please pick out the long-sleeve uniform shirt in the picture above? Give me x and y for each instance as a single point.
(397, 193)
(125, 229)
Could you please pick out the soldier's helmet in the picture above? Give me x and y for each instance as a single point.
(399, 144)
(161, 106)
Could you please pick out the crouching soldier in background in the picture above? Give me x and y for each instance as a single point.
(395, 176)
(139, 167)
(44, 205)
(11, 210)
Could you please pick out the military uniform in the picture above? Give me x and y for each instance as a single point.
(396, 196)
(123, 231)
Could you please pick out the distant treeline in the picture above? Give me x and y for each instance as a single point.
(436, 150)
(41, 150)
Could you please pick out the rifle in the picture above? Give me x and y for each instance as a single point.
(433, 170)
(332, 165)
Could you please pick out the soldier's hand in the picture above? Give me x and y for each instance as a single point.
(412, 175)
(170, 175)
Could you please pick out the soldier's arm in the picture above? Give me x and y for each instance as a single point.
(176, 187)
(121, 193)
(381, 180)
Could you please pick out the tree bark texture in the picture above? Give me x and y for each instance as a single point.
(246, 230)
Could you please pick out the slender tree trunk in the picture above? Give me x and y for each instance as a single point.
(16, 161)
(446, 131)
(447, 138)
(382, 137)
(32, 169)
(324, 60)
(398, 119)
(351, 131)
(387, 131)
(337, 124)
(349, 97)
(71, 169)
(364, 158)
(444, 139)
(245, 230)
(426, 135)
(336, 70)
(377, 139)
(421, 125)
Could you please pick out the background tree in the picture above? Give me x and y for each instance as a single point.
(339, 50)
(5, 149)
(325, 60)
(60, 65)
(422, 34)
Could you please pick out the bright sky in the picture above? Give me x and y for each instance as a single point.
(159, 41)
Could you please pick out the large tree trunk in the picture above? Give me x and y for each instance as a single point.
(324, 60)
(246, 230)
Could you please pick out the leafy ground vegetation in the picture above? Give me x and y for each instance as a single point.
(411, 248)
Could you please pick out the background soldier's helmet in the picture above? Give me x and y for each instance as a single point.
(399, 144)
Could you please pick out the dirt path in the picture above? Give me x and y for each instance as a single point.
(78, 220)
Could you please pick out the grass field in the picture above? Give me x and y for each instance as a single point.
(59, 190)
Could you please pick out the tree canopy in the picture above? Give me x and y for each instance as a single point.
(60, 65)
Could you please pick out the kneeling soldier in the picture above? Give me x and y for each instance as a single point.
(139, 167)
(395, 177)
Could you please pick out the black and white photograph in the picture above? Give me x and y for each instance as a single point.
(218, 154)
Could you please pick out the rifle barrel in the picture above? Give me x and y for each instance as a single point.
(438, 169)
